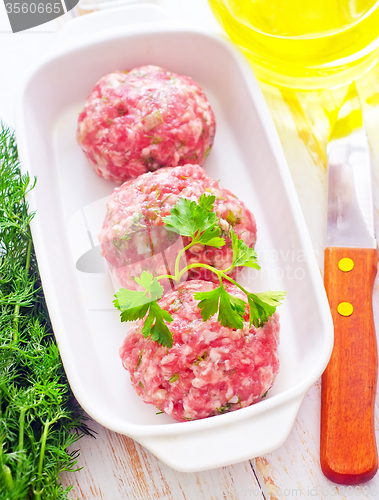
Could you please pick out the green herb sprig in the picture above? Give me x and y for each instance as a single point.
(198, 222)
(39, 418)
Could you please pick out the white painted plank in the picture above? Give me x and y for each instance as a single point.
(116, 468)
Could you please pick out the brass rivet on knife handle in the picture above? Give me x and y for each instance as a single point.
(348, 451)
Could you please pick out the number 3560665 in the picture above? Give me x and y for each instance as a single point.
(32, 8)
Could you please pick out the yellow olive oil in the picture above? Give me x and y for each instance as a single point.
(298, 42)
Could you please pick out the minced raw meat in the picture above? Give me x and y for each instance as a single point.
(210, 369)
(140, 120)
(134, 238)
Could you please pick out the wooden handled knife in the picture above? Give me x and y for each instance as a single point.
(348, 451)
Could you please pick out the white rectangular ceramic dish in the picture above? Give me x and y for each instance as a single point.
(69, 200)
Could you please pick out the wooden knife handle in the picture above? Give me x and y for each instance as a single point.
(348, 451)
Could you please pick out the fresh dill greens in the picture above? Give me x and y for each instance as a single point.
(197, 221)
(39, 418)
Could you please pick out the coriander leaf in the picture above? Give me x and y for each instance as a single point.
(231, 311)
(195, 220)
(208, 302)
(242, 254)
(263, 305)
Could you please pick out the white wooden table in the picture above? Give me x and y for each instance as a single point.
(114, 466)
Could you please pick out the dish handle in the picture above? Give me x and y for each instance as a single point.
(227, 444)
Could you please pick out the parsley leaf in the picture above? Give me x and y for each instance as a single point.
(242, 254)
(208, 302)
(196, 220)
(206, 201)
(262, 305)
(231, 310)
(134, 313)
(211, 237)
(136, 304)
(151, 284)
(159, 330)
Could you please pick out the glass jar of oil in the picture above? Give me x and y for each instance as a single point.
(303, 43)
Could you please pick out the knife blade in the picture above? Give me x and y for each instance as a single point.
(348, 451)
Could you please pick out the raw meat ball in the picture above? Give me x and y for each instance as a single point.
(138, 121)
(134, 238)
(210, 369)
